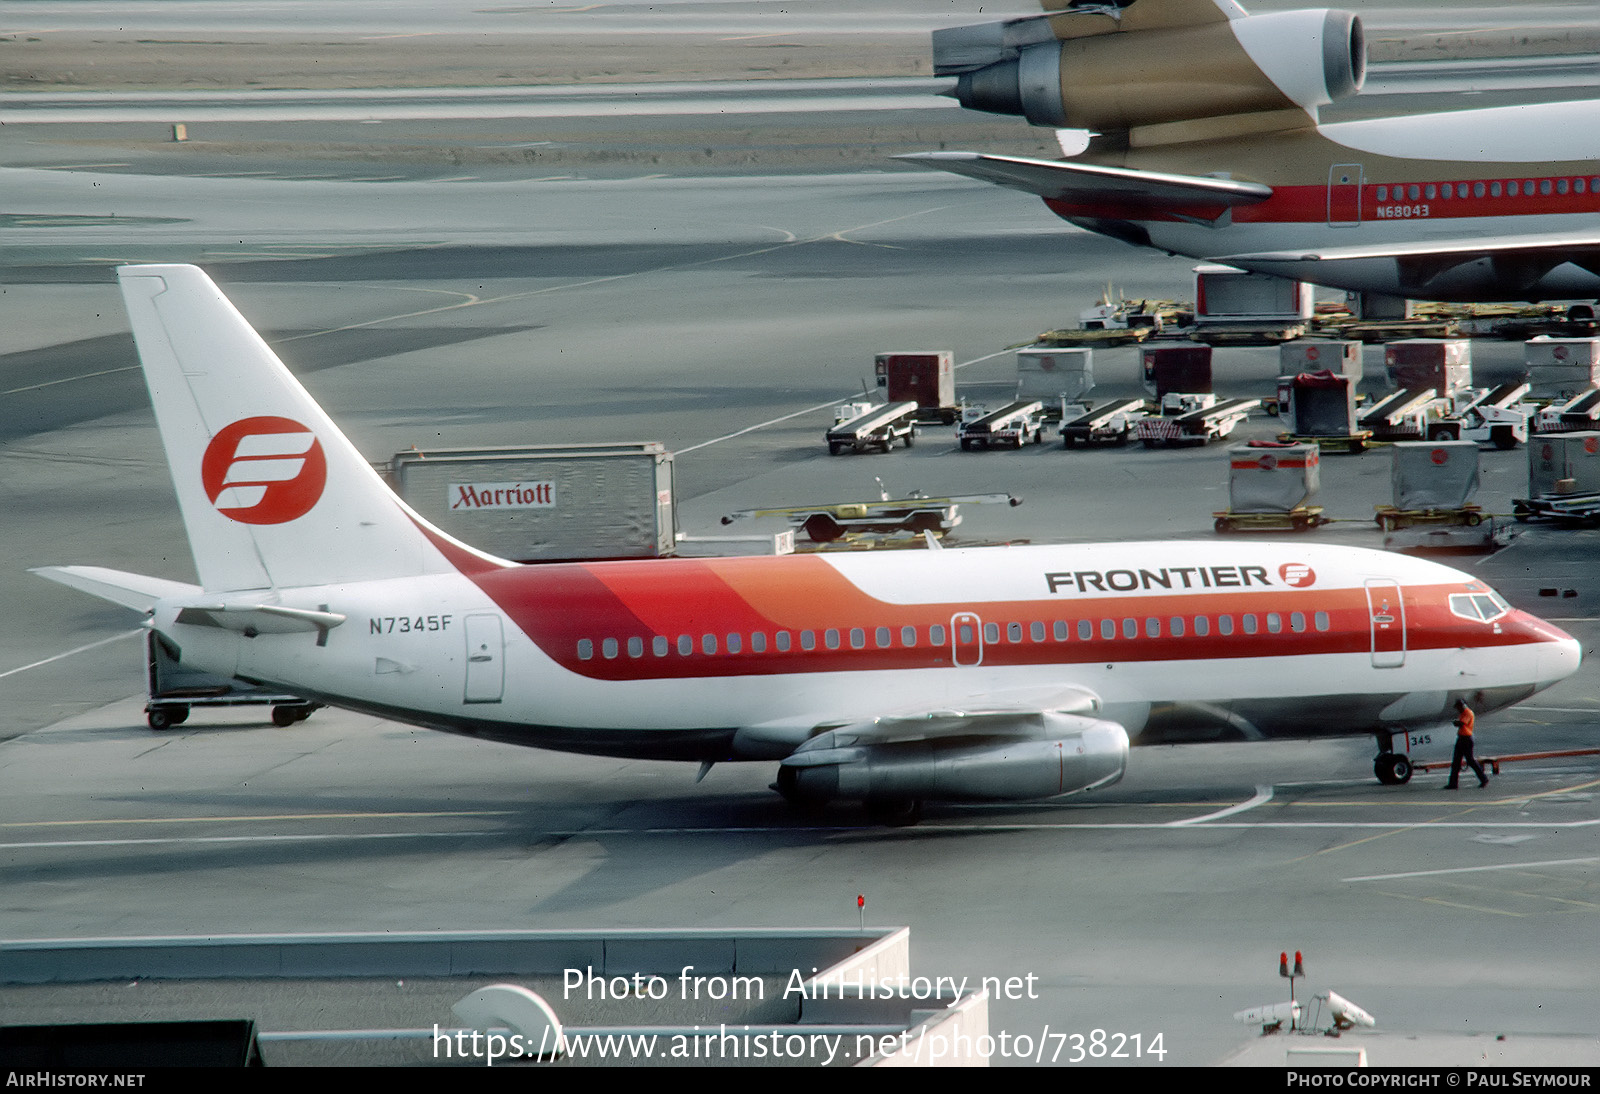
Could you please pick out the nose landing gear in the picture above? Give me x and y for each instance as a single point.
(1392, 768)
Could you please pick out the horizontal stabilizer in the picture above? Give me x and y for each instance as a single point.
(135, 591)
(1082, 182)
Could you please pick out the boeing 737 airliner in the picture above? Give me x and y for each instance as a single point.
(972, 674)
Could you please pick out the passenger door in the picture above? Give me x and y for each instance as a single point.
(486, 674)
(1344, 195)
(966, 639)
(1386, 612)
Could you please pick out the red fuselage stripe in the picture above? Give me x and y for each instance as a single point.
(570, 610)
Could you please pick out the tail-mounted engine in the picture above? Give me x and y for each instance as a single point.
(1119, 66)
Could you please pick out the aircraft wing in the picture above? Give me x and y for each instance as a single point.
(1554, 244)
(1082, 182)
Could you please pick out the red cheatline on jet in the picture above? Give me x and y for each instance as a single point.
(264, 470)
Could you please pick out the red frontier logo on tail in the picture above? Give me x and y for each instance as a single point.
(264, 470)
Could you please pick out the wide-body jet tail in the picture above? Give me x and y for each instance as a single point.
(272, 493)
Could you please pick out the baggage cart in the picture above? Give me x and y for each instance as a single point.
(1108, 423)
(859, 426)
(1015, 424)
(175, 689)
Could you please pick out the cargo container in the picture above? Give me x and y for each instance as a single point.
(1325, 405)
(1276, 479)
(1311, 355)
(1180, 369)
(927, 378)
(1443, 364)
(541, 503)
(1561, 368)
(1054, 375)
(1231, 301)
(1342, 358)
(1564, 463)
(1434, 474)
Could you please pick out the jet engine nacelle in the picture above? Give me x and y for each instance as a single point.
(1122, 80)
(1068, 753)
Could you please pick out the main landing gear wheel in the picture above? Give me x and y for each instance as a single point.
(1392, 769)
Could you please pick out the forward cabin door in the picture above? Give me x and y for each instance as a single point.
(1344, 195)
(486, 672)
(1386, 613)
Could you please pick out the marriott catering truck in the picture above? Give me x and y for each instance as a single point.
(543, 503)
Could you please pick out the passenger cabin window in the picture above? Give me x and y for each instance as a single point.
(908, 637)
(1036, 630)
(858, 638)
(1202, 626)
(585, 649)
(782, 641)
(1176, 625)
(1108, 629)
(1322, 621)
(830, 638)
(609, 648)
(708, 643)
(758, 642)
(1224, 624)
(660, 646)
(936, 635)
(734, 643)
(685, 645)
(883, 638)
(808, 640)
(1013, 632)
(991, 633)
(1297, 622)
(635, 647)
(1085, 630)
(1061, 631)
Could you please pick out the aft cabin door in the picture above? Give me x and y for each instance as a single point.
(486, 673)
(1344, 195)
(1386, 611)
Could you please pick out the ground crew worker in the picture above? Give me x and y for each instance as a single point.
(1464, 720)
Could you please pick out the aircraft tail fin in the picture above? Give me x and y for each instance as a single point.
(272, 493)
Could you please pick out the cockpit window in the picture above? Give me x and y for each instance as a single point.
(1485, 606)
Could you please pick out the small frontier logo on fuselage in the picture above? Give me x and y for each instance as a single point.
(264, 470)
(1297, 574)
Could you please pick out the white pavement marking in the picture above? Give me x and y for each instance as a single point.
(70, 379)
(1262, 797)
(807, 410)
(69, 653)
(1477, 869)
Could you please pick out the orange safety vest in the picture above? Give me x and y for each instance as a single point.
(1464, 722)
